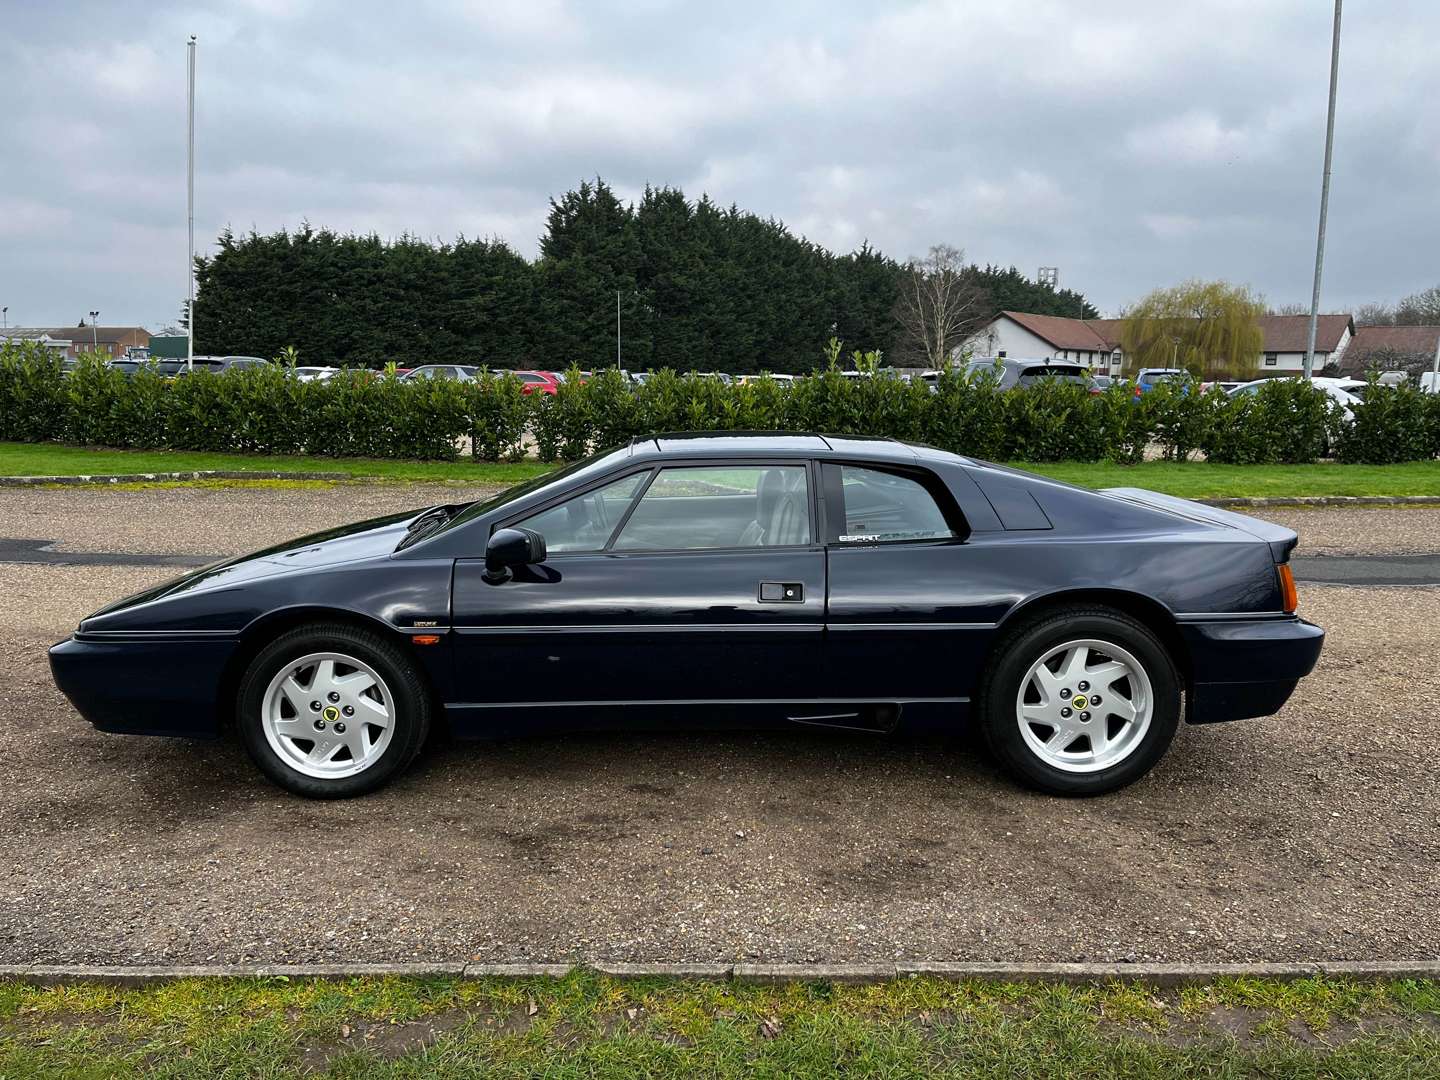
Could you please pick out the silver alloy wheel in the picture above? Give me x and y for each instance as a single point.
(1060, 718)
(328, 715)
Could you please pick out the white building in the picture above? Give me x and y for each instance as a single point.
(1096, 342)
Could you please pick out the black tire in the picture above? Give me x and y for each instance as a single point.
(1026, 644)
(410, 707)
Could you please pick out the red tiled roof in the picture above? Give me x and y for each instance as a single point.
(1059, 331)
(1283, 333)
(1108, 330)
(1290, 333)
(1416, 340)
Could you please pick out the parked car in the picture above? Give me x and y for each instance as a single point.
(463, 372)
(1012, 373)
(315, 374)
(219, 364)
(164, 368)
(1346, 401)
(536, 382)
(1146, 378)
(765, 579)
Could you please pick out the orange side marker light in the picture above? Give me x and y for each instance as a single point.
(425, 639)
(1290, 601)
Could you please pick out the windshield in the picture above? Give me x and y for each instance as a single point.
(594, 463)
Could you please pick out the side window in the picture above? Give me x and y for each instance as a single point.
(585, 522)
(724, 507)
(880, 506)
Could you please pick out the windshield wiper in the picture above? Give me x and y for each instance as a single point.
(426, 524)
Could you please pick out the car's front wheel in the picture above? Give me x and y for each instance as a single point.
(330, 711)
(1080, 701)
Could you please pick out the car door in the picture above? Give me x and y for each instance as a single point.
(695, 583)
(902, 623)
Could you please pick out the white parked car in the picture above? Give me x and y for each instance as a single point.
(1346, 400)
(315, 374)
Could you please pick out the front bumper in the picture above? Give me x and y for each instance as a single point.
(161, 686)
(1241, 668)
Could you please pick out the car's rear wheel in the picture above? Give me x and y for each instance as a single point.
(330, 711)
(1080, 701)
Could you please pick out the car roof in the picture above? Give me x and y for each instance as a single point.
(786, 444)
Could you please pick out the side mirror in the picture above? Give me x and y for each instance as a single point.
(508, 548)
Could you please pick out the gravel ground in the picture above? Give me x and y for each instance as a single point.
(1312, 835)
(1377, 530)
(215, 519)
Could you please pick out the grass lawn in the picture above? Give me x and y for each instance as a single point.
(52, 459)
(586, 1025)
(1188, 479)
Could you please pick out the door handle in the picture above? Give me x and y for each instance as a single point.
(782, 592)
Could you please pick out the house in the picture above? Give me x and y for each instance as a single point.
(1096, 342)
(59, 347)
(1093, 342)
(1391, 348)
(111, 341)
(1286, 335)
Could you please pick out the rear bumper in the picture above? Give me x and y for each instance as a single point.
(1241, 668)
(159, 687)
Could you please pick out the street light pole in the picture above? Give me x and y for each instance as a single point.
(190, 211)
(94, 333)
(1324, 195)
(617, 329)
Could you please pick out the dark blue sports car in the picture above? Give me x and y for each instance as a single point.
(732, 580)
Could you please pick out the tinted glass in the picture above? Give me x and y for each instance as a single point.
(745, 506)
(585, 522)
(887, 506)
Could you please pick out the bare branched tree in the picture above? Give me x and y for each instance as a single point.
(940, 304)
(1375, 314)
(1419, 309)
(1293, 308)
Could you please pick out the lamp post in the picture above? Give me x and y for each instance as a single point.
(94, 338)
(5, 318)
(190, 211)
(1324, 196)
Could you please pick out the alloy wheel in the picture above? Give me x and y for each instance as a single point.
(328, 715)
(1084, 706)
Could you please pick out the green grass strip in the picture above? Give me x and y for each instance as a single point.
(1188, 479)
(587, 1025)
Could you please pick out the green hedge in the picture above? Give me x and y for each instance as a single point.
(365, 413)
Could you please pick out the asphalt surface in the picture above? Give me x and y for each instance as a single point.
(1311, 835)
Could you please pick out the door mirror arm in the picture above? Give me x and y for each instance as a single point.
(509, 548)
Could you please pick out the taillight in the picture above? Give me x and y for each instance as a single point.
(1287, 589)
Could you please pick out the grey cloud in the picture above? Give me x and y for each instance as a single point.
(1130, 144)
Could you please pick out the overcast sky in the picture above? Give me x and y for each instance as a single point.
(1131, 143)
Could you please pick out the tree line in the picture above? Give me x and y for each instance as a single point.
(697, 286)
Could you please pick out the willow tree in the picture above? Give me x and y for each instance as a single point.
(1209, 328)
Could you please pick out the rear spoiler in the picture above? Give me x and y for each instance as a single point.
(1282, 541)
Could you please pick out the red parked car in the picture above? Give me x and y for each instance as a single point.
(535, 382)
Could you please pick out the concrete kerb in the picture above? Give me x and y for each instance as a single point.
(164, 477)
(1160, 976)
(1325, 500)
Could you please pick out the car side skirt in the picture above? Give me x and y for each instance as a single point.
(485, 720)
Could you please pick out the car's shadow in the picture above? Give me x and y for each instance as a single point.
(804, 764)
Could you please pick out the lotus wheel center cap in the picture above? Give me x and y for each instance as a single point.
(1078, 701)
(331, 714)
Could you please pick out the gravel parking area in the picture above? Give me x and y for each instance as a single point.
(1381, 530)
(218, 519)
(1312, 835)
